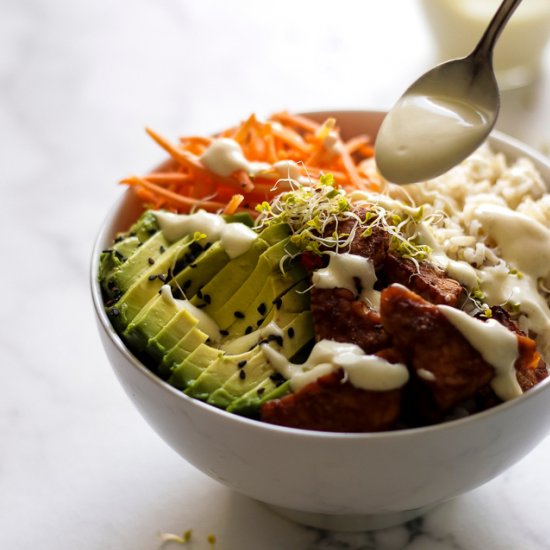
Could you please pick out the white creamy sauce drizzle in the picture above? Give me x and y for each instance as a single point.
(500, 287)
(333, 144)
(462, 271)
(523, 242)
(236, 238)
(243, 343)
(224, 156)
(367, 372)
(426, 375)
(495, 343)
(205, 322)
(287, 169)
(341, 272)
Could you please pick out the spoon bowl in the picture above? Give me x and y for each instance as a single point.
(441, 118)
(445, 115)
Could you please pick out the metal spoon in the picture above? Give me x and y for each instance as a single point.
(445, 115)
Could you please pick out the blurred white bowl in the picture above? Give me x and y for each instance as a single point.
(328, 480)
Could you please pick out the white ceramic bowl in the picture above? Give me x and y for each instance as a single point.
(334, 481)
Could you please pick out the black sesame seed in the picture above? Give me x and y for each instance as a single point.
(207, 298)
(290, 332)
(238, 314)
(260, 391)
(119, 256)
(151, 261)
(200, 306)
(241, 364)
(195, 249)
(242, 374)
(260, 321)
(119, 238)
(248, 329)
(275, 338)
(187, 284)
(262, 309)
(193, 266)
(224, 332)
(152, 277)
(277, 378)
(199, 294)
(278, 303)
(162, 277)
(162, 249)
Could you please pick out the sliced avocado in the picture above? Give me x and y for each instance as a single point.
(267, 265)
(145, 226)
(296, 335)
(194, 276)
(250, 403)
(124, 246)
(275, 233)
(111, 260)
(191, 368)
(217, 373)
(240, 217)
(182, 349)
(172, 332)
(249, 377)
(228, 280)
(139, 262)
(148, 283)
(149, 321)
(262, 308)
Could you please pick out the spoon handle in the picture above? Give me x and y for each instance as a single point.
(484, 48)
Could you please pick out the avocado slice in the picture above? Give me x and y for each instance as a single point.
(171, 333)
(250, 403)
(124, 246)
(184, 347)
(139, 261)
(228, 280)
(150, 280)
(149, 321)
(199, 358)
(194, 276)
(267, 265)
(262, 308)
(225, 366)
(272, 234)
(296, 335)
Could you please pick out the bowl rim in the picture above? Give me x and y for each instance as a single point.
(448, 425)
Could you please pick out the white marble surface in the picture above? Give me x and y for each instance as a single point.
(79, 468)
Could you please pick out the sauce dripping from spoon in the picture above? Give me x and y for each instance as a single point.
(445, 115)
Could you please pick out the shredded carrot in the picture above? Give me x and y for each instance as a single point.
(186, 183)
(233, 204)
(356, 143)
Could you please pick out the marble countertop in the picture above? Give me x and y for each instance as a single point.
(79, 468)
